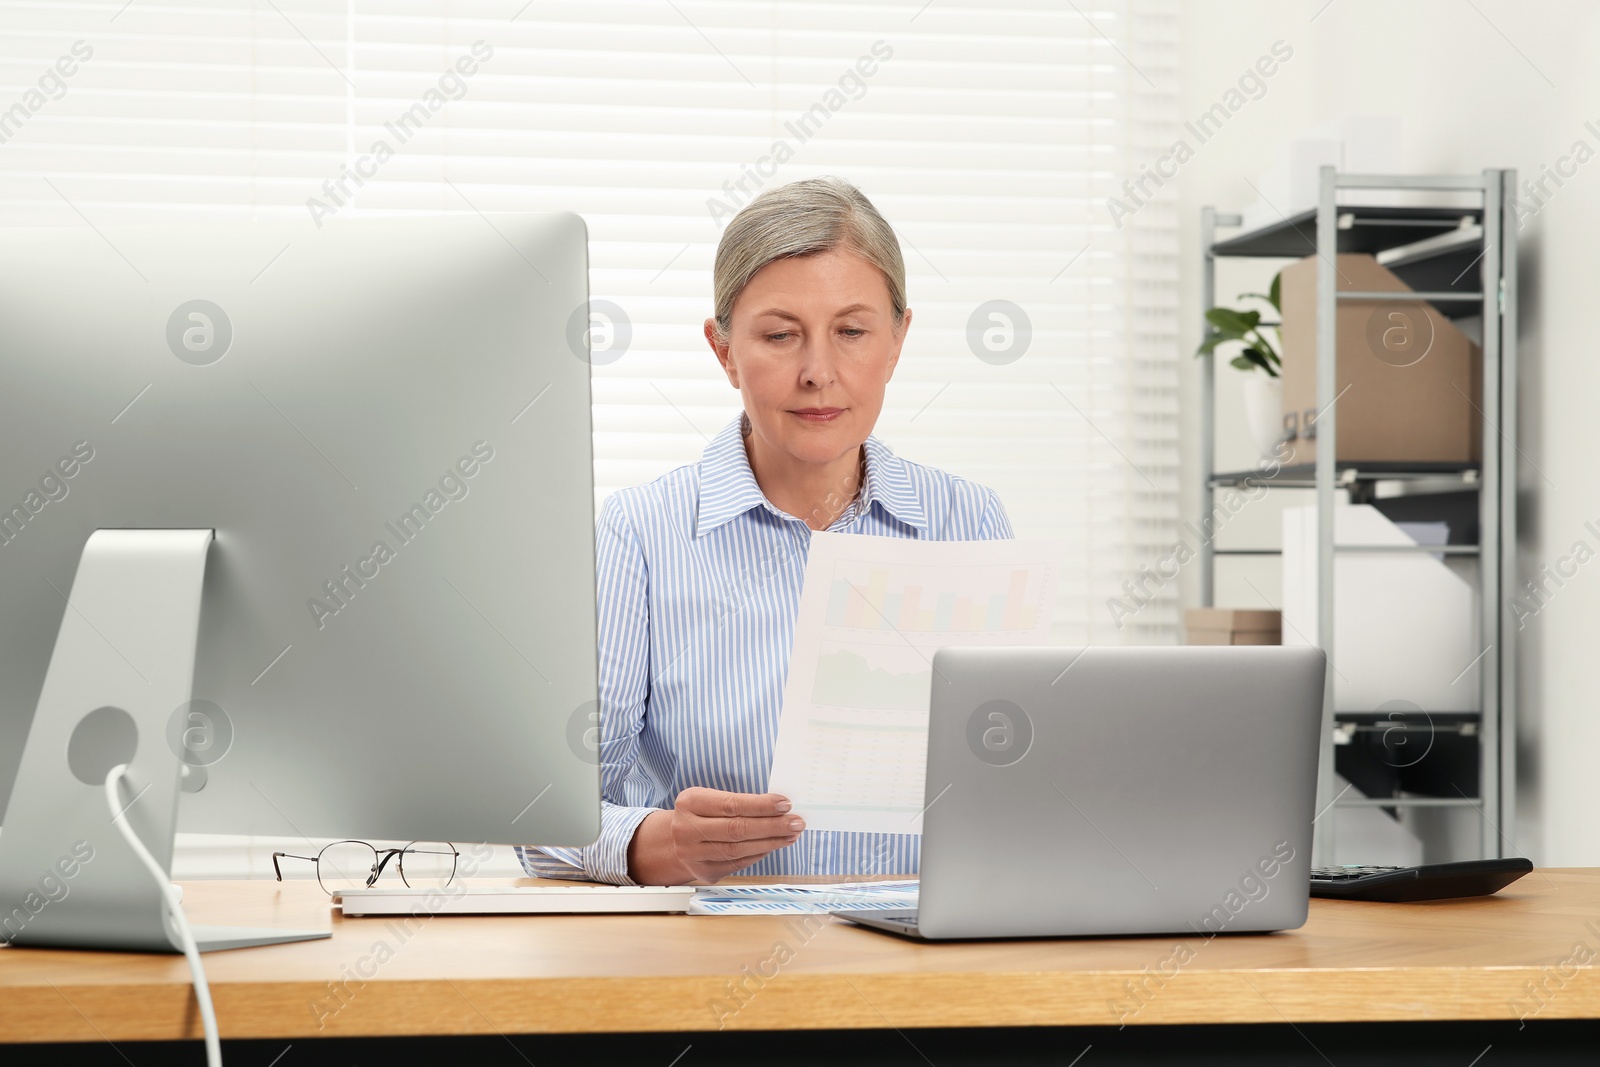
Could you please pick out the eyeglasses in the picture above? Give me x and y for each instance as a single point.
(346, 865)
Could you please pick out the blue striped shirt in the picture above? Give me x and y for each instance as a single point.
(698, 580)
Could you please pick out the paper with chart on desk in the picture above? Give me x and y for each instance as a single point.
(852, 741)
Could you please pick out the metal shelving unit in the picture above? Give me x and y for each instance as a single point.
(1461, 259)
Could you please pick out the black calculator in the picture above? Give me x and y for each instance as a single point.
(1431, 881)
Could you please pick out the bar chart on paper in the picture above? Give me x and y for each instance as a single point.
(852, 741)
(967, 599)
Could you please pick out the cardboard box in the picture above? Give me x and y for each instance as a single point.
(1409, 382)
(1232, 626)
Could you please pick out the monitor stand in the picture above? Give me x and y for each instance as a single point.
(122, 670)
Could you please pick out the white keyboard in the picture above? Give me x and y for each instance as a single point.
(516, 900)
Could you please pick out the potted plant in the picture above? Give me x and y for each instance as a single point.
(1263, 388)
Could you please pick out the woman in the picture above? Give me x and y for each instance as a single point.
(699, 572)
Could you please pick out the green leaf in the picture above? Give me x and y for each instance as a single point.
(1272, 295)
(1264, 346)
(1254, 357)
(1234, 323)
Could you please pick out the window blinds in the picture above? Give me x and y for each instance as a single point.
(1042, 359)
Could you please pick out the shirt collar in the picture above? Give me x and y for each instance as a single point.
(728, 487)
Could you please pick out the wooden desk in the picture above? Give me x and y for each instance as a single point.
(1479, 959)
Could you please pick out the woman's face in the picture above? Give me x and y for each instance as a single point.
(812, 344)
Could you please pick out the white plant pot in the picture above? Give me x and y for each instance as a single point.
(1263, 411)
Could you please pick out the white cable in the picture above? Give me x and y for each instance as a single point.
(170, 896)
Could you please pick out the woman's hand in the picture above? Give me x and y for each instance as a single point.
(708, 834)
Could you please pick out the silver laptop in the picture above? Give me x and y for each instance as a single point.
(1116, 791)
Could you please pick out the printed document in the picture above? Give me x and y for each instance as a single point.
(853, 738)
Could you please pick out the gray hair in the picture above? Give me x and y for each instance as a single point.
(805, 218)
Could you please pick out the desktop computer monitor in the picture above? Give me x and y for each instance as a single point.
(363, 453)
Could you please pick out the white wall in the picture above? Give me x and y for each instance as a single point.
(1498, 84)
